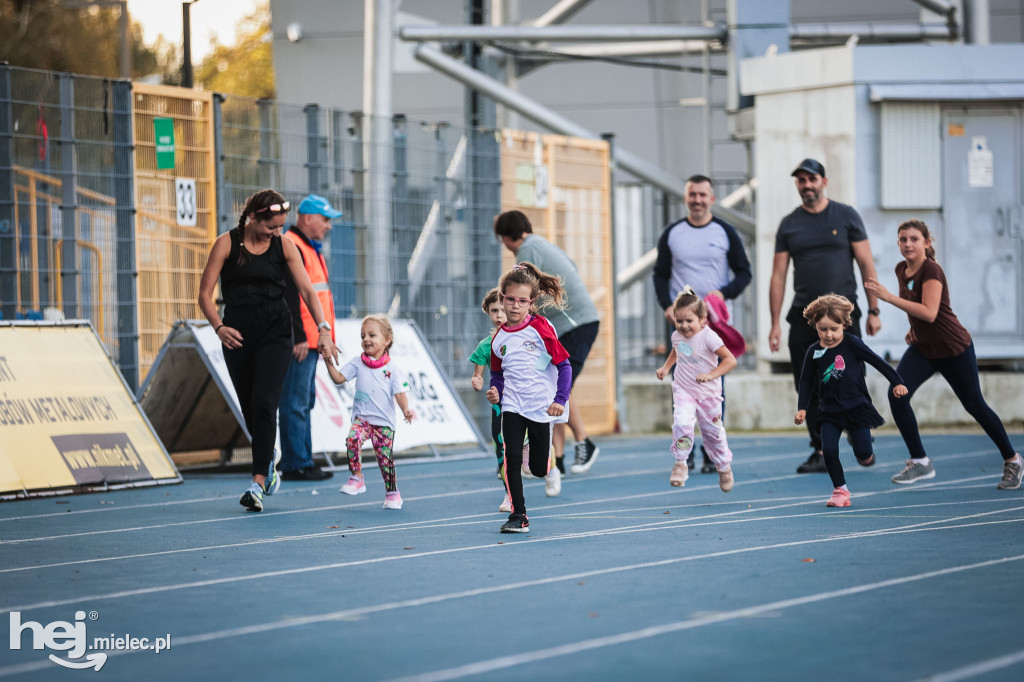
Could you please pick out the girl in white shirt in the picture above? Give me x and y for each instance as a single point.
(530, 379)
(373, 412)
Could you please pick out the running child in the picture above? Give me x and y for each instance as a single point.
(937, 342)
(481, 357)
(836, 364)
(530, 379)
(373, 413)
(701, 360)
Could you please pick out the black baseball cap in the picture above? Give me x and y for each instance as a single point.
(810, 166)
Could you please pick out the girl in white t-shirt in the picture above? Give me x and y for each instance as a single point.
(701, 359)
(373, 412)
(530, 379)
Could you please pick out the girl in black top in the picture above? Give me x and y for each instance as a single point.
(836, 365)
(254, 264)
(937, 343)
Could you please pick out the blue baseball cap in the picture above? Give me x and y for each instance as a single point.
(316, 204)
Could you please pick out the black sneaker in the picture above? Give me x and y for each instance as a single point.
(586, 453)
(311, 473)
(708, 467)
(689, 461)
(815, 464)
(560, 463)
(517, 523)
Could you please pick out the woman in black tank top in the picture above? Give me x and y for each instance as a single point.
(253, 264)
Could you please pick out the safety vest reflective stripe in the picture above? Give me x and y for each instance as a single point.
(316, 268)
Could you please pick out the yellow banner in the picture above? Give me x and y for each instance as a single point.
(67, 421)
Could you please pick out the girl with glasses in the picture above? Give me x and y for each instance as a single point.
(530, 379)
(253, 264)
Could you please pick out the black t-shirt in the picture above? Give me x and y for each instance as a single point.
(261, 279)
(819, 244)
(838, 374)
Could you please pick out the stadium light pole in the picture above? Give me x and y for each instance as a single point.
(186, 43)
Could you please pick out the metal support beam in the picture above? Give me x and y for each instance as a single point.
(533, 34)
(869, 31)
(557, 123)
(127, 272)
(656, 48)
(560, 13)
(976, 22)
(8, 230)
(377, 161)
(938, 6)
(69, 199)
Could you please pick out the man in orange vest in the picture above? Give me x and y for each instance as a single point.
(299, 395)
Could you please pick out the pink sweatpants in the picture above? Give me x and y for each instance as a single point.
(686, 412)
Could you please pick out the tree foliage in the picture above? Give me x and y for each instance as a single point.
(46, 34)
(245, 68)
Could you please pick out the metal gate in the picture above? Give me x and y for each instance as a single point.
(171, 246)
(563, 185)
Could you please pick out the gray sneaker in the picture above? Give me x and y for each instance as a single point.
(1012, 473)
(915, 471)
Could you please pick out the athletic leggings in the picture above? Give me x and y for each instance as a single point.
(382, 437)
(514, 428)
(961, 373)
(862, 449)
(499, 446)
(257, 372)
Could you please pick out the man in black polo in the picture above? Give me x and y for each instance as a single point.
(823, 238)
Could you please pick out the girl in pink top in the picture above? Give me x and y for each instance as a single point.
(701, 359)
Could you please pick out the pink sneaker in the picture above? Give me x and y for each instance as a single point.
(506, 504)
(840, 498)
(725, 480)
(354, 486)
(680, 472)
(393, 500)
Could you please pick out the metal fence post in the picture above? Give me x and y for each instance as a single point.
(127, 271)
(401, 223)
(223, 196)
(314, 160)
(268, 162)
(620, 393)
(8, 256)
(69, 198)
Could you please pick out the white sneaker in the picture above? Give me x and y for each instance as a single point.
(526, 461)
(393, 500)
(553, 482)
(354, 486)
(506, 504)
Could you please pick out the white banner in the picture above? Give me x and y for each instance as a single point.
(441, 418)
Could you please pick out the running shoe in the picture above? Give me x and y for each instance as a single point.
(1012, 474)
(252, 499)
(392, 500)
(553, 483)
(272, 483)
(517, 523)
(840, 498)
(586, 453)
(815, 464)
(506, 504)
(725, 479)
(354, 486)
(680, 472)
(915, 471)
(868, 461)
(707, 466)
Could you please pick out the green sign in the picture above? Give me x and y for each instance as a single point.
(163, 133)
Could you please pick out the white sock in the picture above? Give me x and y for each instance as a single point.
(843, 487)
(924, 460)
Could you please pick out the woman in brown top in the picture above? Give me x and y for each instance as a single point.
(937, 343)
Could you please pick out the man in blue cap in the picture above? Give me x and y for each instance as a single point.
(299, 394)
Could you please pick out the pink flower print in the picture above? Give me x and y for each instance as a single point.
(840, 363)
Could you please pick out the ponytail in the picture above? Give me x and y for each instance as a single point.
(688, 298)
(539, 282)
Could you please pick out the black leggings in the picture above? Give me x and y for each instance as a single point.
(514, 428)
(961, 373)
(257, 371)
(859, 438)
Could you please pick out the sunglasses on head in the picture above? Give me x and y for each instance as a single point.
(275, 208)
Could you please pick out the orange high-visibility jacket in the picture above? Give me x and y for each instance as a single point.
(316, 268)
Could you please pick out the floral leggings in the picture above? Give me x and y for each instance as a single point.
(382, 437)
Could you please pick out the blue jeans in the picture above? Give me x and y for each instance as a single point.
(297, 400)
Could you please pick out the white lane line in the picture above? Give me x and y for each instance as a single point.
(977, 669)
(505, 662)
(289, 491)
(456, 550)
(491, 589)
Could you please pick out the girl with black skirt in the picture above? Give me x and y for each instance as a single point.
(253, 264)
(836, 365)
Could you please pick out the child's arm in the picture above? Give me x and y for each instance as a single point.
(806, 387)
(927, 309)
(869, 356)
(336, 375)
(669, 361)
(478, 377)
(403, 404)
(497, 386)
(727, 364)
(564, 385)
